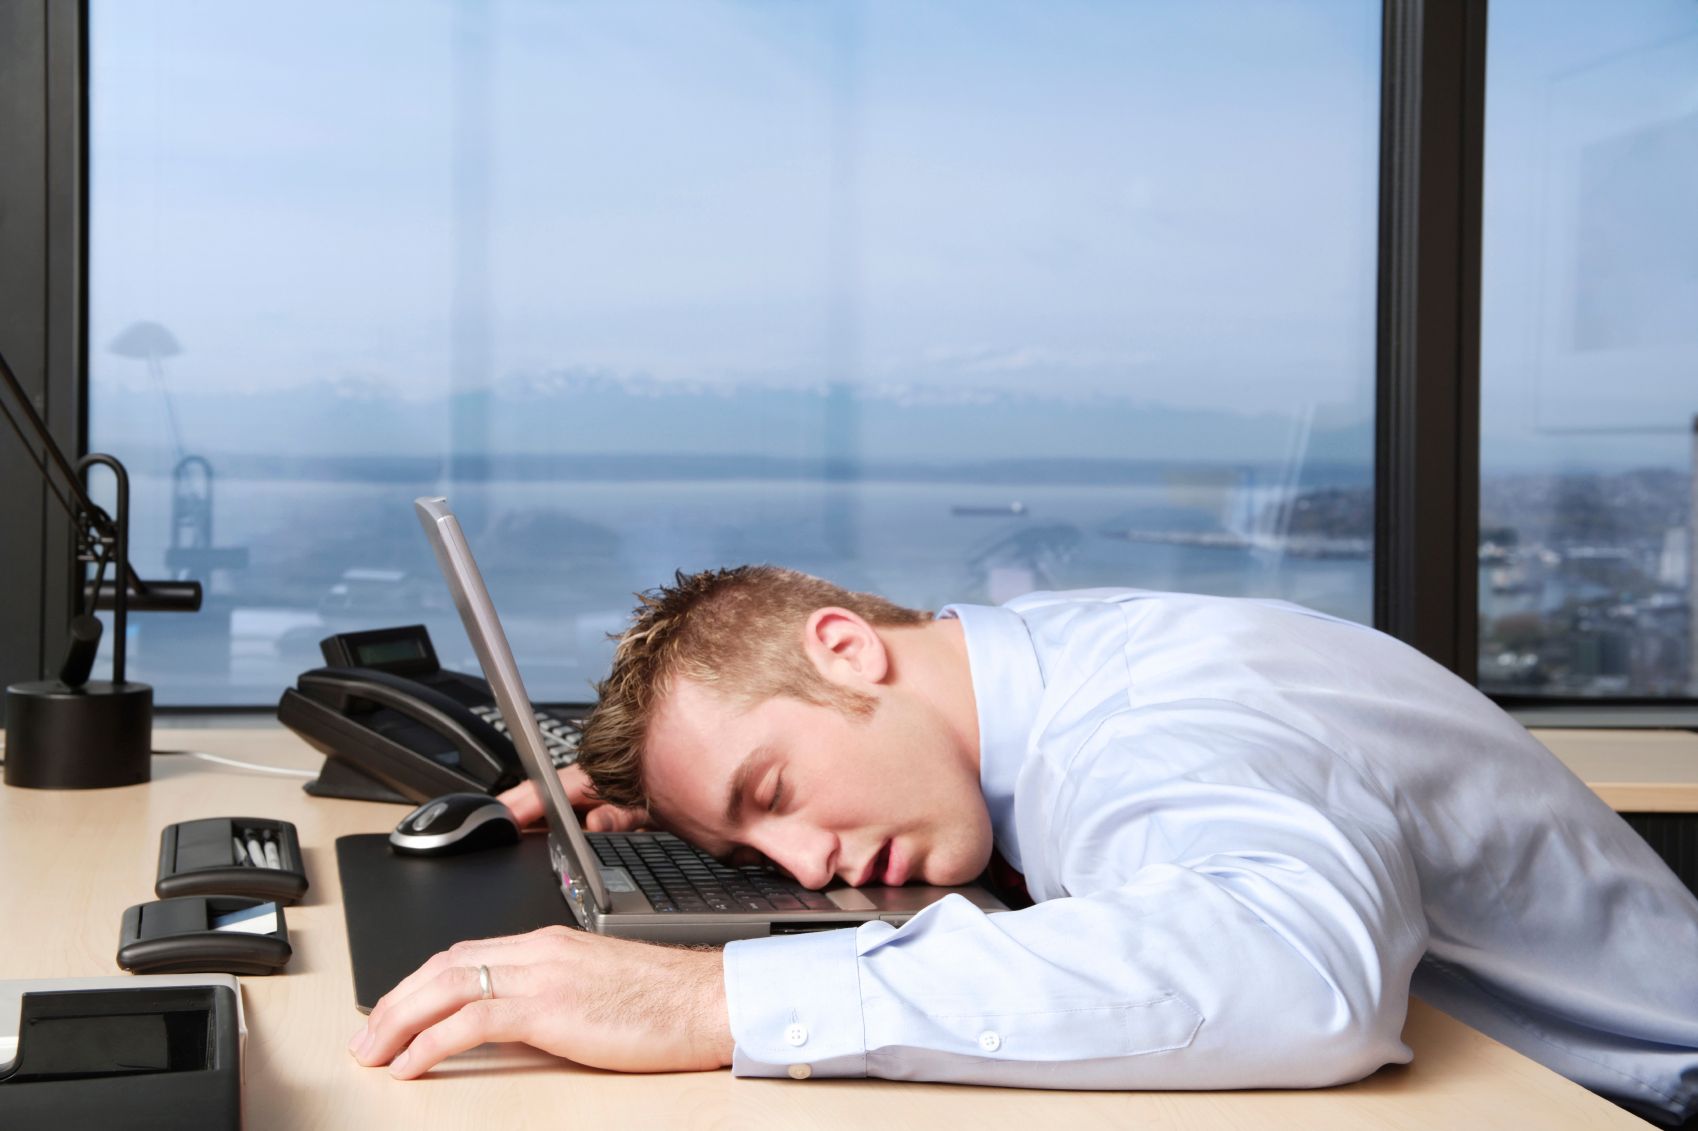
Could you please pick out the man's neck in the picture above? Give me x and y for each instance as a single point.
(931, 660)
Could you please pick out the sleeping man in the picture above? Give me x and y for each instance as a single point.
(1250, 831)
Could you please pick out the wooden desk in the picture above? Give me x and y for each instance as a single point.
(1636, 771)
(74, 860)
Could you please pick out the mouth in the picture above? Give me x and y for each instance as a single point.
(875, 868)
(894, 868)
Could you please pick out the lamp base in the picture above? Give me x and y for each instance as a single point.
(95, 737)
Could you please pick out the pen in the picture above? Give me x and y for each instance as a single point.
(241, 853)
(272, 859)
(256, 854)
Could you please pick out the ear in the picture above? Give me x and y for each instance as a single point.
(845, 649)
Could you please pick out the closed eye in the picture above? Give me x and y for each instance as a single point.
(777, 793)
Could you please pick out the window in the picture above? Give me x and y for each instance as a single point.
(1589, 349)
(947, 300)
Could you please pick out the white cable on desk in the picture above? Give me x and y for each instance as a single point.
(251, 765)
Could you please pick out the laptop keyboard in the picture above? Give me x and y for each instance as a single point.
(679, 877)
(559, 735)
(674, 874)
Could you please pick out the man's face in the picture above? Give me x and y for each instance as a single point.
(880, 799)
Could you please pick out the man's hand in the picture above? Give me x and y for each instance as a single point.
(608, 1003)
(526, 804)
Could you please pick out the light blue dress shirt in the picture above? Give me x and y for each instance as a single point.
(1248, 827)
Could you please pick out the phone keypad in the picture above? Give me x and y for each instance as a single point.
(559, 735)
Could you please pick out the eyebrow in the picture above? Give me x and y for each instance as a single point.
(740, 781)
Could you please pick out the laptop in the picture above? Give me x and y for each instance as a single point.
(648, 885)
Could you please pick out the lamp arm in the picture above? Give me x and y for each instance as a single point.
(100, 536)
(50, 458)
(121, 600)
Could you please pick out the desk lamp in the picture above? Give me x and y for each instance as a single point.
(73, 732)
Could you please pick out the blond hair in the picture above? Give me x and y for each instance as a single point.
(737, 631)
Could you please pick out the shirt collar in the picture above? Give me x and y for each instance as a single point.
(1007, 688)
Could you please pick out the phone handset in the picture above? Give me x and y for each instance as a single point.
(484, 751)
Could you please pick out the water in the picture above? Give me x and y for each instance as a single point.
(562, 559)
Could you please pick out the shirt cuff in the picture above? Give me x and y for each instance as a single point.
(795, 1006)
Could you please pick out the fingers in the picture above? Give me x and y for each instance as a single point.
(611, 818)
(527, 802)
(597, 817)
(524, 801)
(474, 952)
(511, 950)
(477, 1023)
(579, 791)
(609, 1003)
(452, 989)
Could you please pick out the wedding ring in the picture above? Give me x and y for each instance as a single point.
(485, 989)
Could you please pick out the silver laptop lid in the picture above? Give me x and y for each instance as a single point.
(477, 611)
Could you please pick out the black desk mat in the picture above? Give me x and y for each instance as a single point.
(401, 910)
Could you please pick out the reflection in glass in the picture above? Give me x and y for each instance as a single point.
(1589, 349)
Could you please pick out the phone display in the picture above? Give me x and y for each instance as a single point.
(260, 920)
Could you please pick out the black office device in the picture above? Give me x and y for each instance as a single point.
(204, 934)
(395, 726)
(249, 856)
(146, 1059)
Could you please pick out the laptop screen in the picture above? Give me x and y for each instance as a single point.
(483, 627)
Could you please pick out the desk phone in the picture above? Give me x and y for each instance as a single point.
(394, 725)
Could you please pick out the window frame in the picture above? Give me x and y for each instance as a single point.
(1427, 358)
(43, 301)
(1427, 423)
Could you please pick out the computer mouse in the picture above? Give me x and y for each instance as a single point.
(455, 822)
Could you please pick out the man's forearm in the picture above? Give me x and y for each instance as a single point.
(686, 990)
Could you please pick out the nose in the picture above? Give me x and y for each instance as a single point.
(808, 854)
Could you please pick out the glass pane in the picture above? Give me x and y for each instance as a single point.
(1589, 349)
(951, 300)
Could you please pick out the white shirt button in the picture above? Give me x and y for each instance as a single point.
(990, 1040)
(801, 1071)
(797, 1034)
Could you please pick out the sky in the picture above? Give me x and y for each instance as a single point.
(1164, 202)
(1089, 197)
